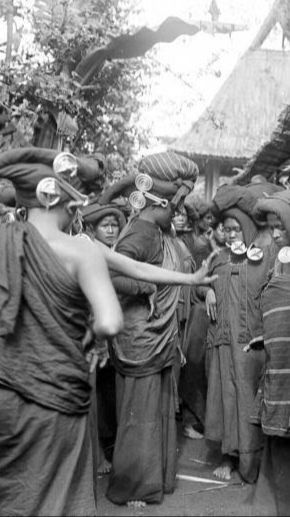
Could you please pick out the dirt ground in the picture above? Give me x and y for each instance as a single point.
(191, 497)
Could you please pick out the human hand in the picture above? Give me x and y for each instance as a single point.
(210, 303)
(183, 360)
(201, 275)
(88, 338)
(98, 355)
(153, 313)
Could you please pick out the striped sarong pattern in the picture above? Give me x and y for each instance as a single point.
(276, 319)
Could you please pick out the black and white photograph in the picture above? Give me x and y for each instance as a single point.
(144, 258)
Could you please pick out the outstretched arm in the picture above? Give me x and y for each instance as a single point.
(149, 273)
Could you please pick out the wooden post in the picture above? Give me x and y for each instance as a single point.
(212, 174)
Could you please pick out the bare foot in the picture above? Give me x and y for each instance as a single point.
(136, 504)
(190, 432)
(224, 470)
(104, 468)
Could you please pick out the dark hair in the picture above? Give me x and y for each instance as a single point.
(216, 221)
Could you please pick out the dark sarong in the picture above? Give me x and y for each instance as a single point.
(233, 379)
(47, 309)
(145, 466)
(272, 493)
(232, 386)
(193, 382)
(45, 446)
(144, 458)
(45, 461)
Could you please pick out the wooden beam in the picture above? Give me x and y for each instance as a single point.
(269, 22)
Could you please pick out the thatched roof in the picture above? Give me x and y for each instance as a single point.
(273, 157)
(244, 112)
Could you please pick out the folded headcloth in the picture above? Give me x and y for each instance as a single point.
(93, 213)
(26, 167)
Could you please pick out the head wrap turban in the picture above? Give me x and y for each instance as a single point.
(238, 202)
(173, 176)
(93, 213)
(25, 167)
(243, 197)
(279, 204)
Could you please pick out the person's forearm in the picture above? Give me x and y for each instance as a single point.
(145, 272)
(130, 286)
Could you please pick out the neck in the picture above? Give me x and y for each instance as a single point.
(147, 215)
(47, 222)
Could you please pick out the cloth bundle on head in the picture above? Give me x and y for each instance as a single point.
(93, 213)
(279, 204)
(173, 176)
(247, 224)
(238, 202)
(26, 167)
(243, 197)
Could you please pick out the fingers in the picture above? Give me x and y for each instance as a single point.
(94, 361)
(209, 279)
(207, 309)
(206, 262)
(212, 278)
(87, 338)
(104, 361)
(213, 312)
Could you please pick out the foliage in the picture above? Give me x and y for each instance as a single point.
(40, 77)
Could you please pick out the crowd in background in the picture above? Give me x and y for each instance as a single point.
(209, 348)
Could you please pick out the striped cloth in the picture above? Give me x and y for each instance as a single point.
(275, 409)
(169, 166)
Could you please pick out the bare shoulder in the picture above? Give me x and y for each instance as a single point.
(76, 253)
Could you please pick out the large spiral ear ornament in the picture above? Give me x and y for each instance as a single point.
(143, 182)
(137, 200)
(65, 165)
(48, 192)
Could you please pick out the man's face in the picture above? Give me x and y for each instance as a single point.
(233, 231)
(277, 230)
(107, 230)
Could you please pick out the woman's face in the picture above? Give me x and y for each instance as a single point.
(233, 231)
(107, 230)
(277, 230)
(219, 234)
(180, 219)
(204, 222)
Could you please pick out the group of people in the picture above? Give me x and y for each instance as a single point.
(117, 322)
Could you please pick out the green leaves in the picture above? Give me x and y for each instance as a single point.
(41, 80)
